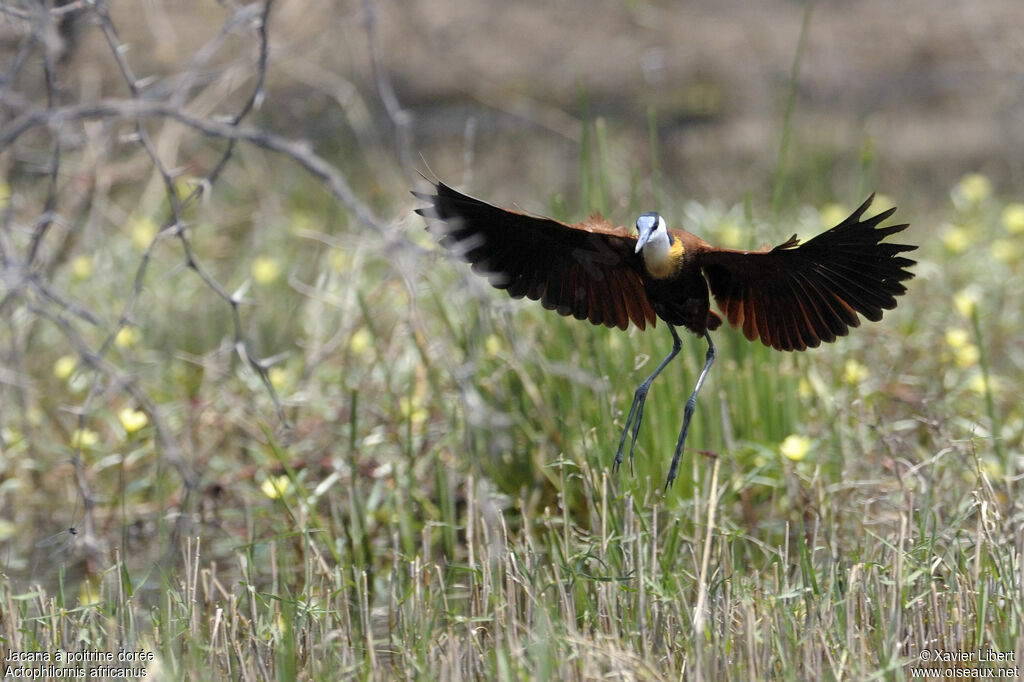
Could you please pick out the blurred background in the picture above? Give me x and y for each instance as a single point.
(219, 318)
(918, 94)
(918, 97)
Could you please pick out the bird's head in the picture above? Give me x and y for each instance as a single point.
(651, 228)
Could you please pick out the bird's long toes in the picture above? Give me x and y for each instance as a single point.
(617, 462)
(673, 470)
(632, 453)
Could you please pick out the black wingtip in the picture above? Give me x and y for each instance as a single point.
(856, 218)
(430, 212)
(884, 215)
(864, 206)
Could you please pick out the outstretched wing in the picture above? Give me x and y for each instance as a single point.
(588, 270)
(796, 296)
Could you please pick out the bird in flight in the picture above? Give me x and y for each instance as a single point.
(792, 297)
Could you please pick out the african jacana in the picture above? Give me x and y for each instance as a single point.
(792, 296)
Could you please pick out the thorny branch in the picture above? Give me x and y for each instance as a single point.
(26, 285)
(298, 151)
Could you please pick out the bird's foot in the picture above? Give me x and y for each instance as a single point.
(636, 415)
(673, 470)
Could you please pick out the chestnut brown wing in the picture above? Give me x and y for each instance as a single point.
(795, 296)
(588, 270)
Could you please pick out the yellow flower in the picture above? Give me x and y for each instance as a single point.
(412, 409)
(132, 420)
(265, 270)
(7, 529)
(276, 487)
(89, 590)
(965, 301)
(84, 438)
(361, 341)
(992, 467)
(34, 416)
(64, 366)
(1013, 218)
(730, 235)
(143, 233)
(127, 337)
(967, 355)
(185, 184)
(956, 239)
(978, 385)
(804, 388)
(302, 223)
(973, 188)
(492, 344)
(81, 267)
(1006, 250)
(795, 447)
(339, 260)
(279, 376)
(957, 337)
(854, 372)
(833, 214)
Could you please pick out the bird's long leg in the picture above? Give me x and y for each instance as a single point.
(691, 405)
(636, 411)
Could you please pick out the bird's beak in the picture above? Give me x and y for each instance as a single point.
(644, 233)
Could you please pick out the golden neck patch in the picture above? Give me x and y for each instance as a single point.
(665, 264)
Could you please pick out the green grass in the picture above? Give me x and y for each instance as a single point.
(435, 501)
(444, 506)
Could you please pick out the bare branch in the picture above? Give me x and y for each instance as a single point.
(298, 151)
